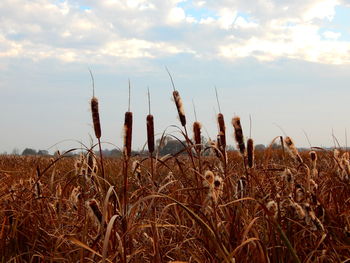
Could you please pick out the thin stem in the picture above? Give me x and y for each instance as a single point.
(250, 126)
(171, 78)
(102, 167)
(149, 101)
(217, 99)
(194, 110)
(307, 138)
(129, 96)
(93, 83)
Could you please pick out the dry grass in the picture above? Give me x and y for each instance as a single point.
(46, 213)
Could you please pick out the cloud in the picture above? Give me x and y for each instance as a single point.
(98, 31)
(331, 35)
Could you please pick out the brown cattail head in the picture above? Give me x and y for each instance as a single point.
(179, 107)
(197, 135)
(96, 117)
(236, 122)
(250, 152)
(95, 210)
(292, 149)
(222, 132)
(150, 133)
(313, 156)
(128, 133)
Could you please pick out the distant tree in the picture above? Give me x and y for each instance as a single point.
(43, 152)
(29, 151)
(115, 153)
(15, 151)
(172, 147)
(259, 147)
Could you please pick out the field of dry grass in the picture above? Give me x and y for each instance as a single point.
(210, 209)
(201, 204)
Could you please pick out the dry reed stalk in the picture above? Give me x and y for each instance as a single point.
(197, 135)
(96, 120)
(293, 151)
(222, 131)
(127, 134)
(236, 122)
(150, 133)
(96, 117)
(250, 152)
(179, 107)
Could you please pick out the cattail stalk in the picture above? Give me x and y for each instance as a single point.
(197, 135)
(250, 152)
(293, 151)
(222, 132)
(179, 107)
(150, 133)
(96, 117)
(236, 122)
(96, 121)
(127, 134)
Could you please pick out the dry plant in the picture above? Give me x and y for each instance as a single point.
(166, 209)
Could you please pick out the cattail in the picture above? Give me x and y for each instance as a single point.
(197, 135)
(209, 178)
(127, 133)
(96, 117)
(236, 122)
(272, 208)
(250, 152)
(293, 151)
(94, 210)
(217, 189)
(150, 133)
(90, 164)
(179, 107)
(313, 157)
(222, 132)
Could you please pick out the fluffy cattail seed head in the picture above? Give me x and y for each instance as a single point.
(313, 156)
(236, 122)
(179, 107)
(209, 178)
(150, 133)
(96, 117)
(222, 128)
(250, 152)
(128, 133)
(197, 134)
(292, 149)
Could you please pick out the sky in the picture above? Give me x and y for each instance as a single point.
(284, 63)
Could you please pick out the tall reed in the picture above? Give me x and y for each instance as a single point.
(96, 121)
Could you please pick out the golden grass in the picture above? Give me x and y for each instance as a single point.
(170, 218)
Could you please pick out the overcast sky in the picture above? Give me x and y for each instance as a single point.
(284, 62)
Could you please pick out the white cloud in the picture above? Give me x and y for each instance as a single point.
(176, 15)
(226, 17)
(331, 35)
(321, 9)
(150, 29)
(243, 23)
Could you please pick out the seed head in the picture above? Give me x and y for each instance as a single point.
(127, 133)
(222, 132)
(236, 122)
(96, 117)
(150, 133)
(197, 134)
(179, 107)
(250, 152)
(293, 151)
